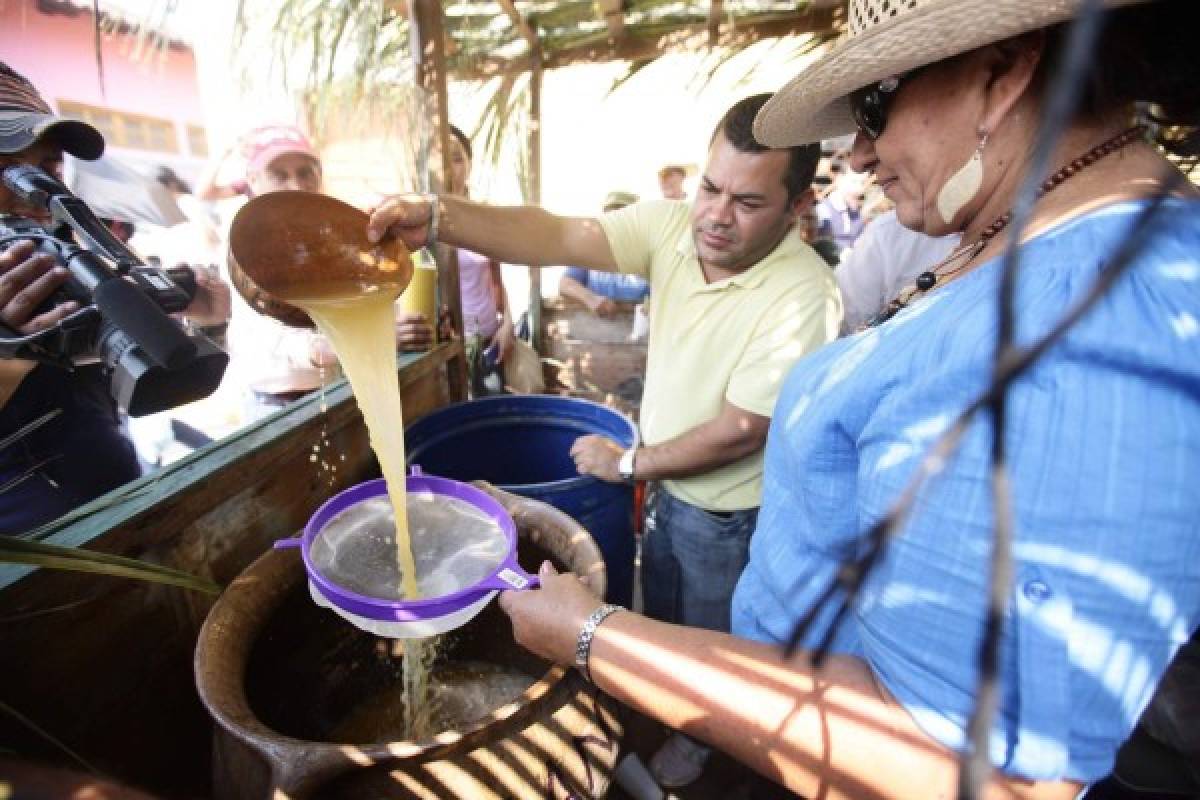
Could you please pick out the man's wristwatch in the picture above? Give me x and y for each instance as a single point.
(625, 465)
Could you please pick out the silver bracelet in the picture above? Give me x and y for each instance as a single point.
(583, 645)
(431, 237)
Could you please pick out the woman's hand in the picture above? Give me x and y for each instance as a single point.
(406, 216)
(547, 621)
(601, 306)
(504, 340)
(26, 280)
(413, 332)
(213, 302)
(320, 353)
(446, 325)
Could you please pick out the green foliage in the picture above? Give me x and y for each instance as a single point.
(343, 54)
(40, 554)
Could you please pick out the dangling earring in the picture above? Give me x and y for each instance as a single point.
(964, 184)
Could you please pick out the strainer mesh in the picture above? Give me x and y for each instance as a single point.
(455, 545)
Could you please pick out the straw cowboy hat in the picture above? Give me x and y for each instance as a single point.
(615, 200)
(891, 37)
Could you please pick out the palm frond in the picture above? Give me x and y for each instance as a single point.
(632, 68)
(40, 554)
(348, 50)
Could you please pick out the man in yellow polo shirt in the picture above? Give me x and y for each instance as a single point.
(736, 298)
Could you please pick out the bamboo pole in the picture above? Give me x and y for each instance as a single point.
(535, 154)
(429, 59)
(715, 9)
(535, 195)
(613, 14)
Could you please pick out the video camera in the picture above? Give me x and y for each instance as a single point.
(155, 364)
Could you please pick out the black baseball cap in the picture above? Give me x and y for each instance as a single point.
(26, 118)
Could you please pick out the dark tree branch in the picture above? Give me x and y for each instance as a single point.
(1062, 102)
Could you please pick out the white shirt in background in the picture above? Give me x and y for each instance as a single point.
(886, 258)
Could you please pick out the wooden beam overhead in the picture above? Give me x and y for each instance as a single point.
(635, 48)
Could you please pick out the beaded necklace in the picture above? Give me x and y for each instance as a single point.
(963, 256)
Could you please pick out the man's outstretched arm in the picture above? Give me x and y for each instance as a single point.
(511, 234)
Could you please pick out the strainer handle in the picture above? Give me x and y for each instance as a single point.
(288, 544)
(511, 576)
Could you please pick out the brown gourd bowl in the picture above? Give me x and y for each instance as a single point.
(291, 243)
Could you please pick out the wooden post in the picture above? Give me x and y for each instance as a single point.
(535, 155)
(613, 14)
(429, 60)
(715, 9)
(535, 194)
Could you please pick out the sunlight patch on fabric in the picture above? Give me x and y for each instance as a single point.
(1180, 271)
(1185, 325)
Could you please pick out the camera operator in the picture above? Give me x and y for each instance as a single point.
(61, 436)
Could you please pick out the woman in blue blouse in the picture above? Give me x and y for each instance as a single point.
(1102, 437)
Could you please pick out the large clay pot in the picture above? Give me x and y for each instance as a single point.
(278, 673)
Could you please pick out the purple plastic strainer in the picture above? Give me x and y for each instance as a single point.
(408, 619)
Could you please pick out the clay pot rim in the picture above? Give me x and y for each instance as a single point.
(238, 719)
(281, 570)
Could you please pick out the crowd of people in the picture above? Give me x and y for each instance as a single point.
(944, 104)
(944, 100)
(165, 221)
(788, 406)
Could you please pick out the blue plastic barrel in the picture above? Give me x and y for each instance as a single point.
(522, 444)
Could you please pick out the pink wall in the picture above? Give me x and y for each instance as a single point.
(57, 53)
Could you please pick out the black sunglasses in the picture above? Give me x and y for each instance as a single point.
(870, 104)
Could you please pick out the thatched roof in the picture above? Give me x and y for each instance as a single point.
(488, 37)
(361, 50)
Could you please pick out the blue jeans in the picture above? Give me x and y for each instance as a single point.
(691, 562)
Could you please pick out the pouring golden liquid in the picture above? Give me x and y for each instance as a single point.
(296, 253)
(360, 324)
